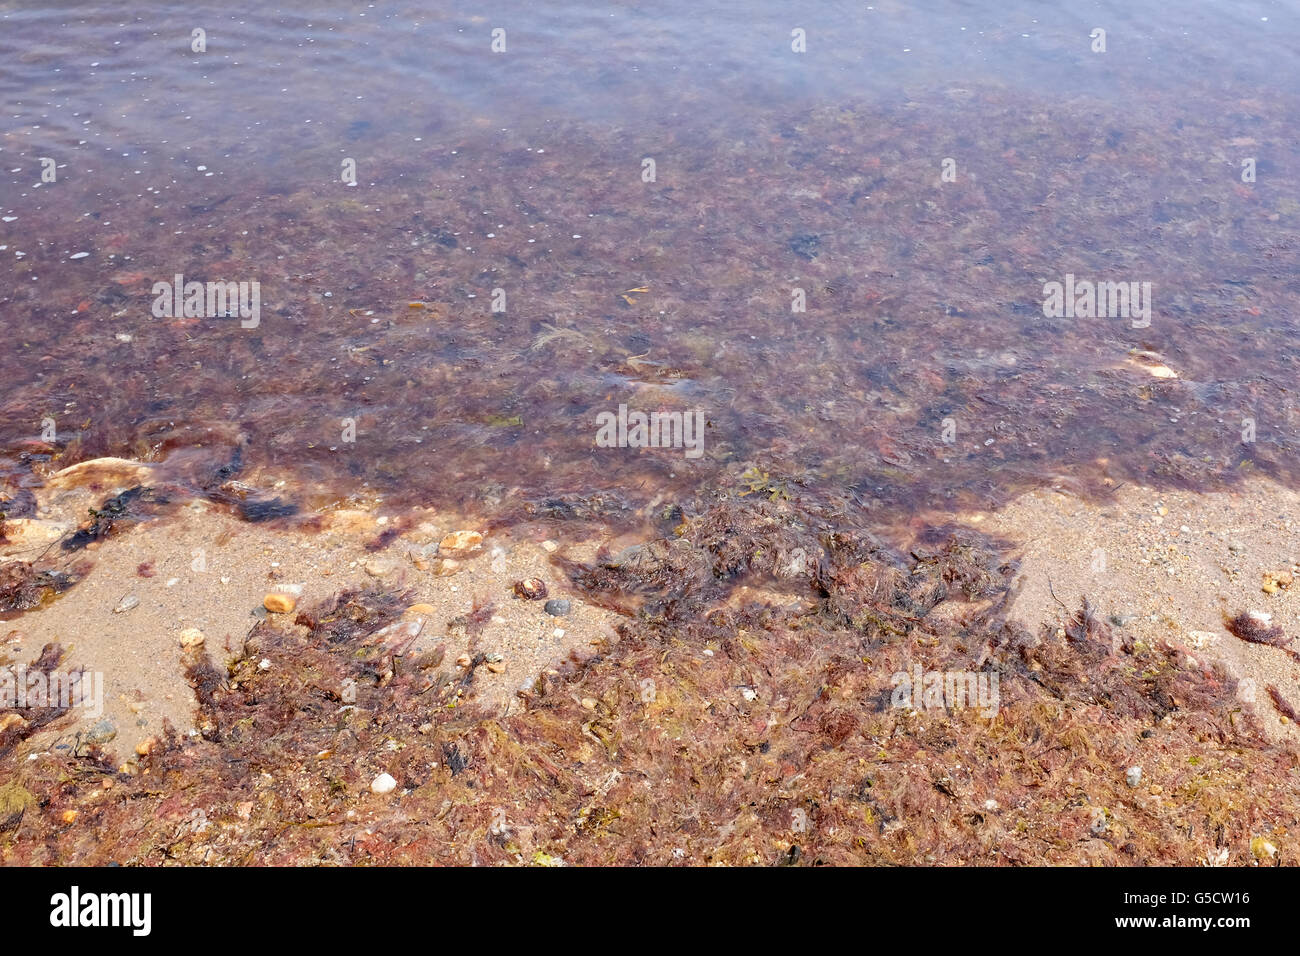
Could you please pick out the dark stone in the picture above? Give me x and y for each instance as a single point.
(101, 733)
(805, 246)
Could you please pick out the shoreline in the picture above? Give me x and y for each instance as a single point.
(144, 587)
(670, 669)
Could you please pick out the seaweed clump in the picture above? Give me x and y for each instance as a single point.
(1256, 630)
(110, 517)
(26, 709)
(23, 587)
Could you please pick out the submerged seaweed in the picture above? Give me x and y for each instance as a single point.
(23, 587)
(111, 516)
(865, 340)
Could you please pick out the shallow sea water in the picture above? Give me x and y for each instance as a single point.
(921, 372)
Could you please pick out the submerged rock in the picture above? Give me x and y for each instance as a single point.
(460, 543)
(102, 471)
(380, 567)
(26, 534)
(805, 246)
(446, 566)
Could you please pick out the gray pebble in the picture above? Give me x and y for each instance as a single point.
(557, 607)
(101, 733)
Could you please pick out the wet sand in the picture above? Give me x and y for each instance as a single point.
(202, 568)
(1167, 567)
(745, 717)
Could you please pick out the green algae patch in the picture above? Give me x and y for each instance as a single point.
(15, 801)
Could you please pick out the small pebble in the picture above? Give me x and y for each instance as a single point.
(279, 603)
(557, 607)
(380, 567)
(101, 733)
(11, 720)
(460, 542)
(191, 637)
(1133, 776)
(384, 783)
(126, 604)
(531, 589)
(1262, 849)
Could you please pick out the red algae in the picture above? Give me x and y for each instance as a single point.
(707, 733)
(755, 309)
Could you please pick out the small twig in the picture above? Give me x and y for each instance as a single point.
(1054, 597)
